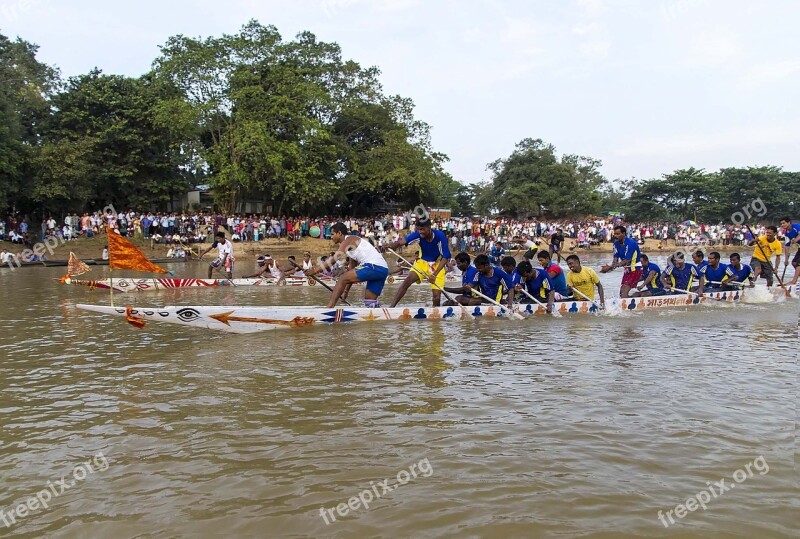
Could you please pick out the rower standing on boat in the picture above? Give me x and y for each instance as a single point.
(268, 264)
(679, 276)
(765, 247)
(792, 234)
(529, 244)
(224, 256)
(366, 265)
(434, 254)
(652, 280)
(736, 272)
(468, 273)
(584, 279)
(627, 255)
(556, 242)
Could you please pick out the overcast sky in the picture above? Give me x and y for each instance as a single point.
(647, 87)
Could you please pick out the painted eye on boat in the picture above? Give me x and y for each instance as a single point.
(188, 315)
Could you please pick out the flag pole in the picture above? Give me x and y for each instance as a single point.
(110, 277)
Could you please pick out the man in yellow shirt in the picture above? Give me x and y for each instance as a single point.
(583, 280)
(767, 246)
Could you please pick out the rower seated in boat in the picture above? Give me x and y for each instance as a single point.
(468, 273)
(556, 274)
(714, 273)
(736, 274)
(268, 264)
(583, 279)
(537, 283)
(651, 285)
(490, 279)
(679, 277)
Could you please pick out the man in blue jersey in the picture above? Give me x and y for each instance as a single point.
(627, 255)
(491, 280)
(509, 265)
(737, 273)
(700, 265)
(496, 253)
(537, 283)
(468, 273)
(679, 276)
(791, 232)
(714, 272)
(651, 285)
(434, 255)
(556, 274)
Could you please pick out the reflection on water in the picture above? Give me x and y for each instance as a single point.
(550, 427)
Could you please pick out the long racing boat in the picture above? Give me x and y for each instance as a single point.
(126, 284)
(254, 319)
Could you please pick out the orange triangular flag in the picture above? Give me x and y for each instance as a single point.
(122, 254)
(75, 266)
(135, 321)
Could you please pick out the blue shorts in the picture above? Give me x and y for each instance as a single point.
(374, 276)
(656, 291)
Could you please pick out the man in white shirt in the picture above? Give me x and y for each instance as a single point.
(224, 257)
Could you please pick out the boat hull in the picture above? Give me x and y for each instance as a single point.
(125, 284)
(255, 319)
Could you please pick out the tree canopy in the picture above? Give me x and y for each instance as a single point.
(293, 125)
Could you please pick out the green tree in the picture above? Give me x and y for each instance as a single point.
(25, 87)
(534, 181)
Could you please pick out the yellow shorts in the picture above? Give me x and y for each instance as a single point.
(424, 269)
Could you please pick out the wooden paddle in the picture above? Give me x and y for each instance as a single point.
(688, 293)
(464, 311)
(490, 300)
(774, 272)
(319, 281)
(218, 269)
(584, 296)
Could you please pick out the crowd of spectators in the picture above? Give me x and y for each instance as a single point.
(476, 234)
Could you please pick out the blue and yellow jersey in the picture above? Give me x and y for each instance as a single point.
(628, 250)
(655, 284)
(700, 269)
(492, 286)
(540, 286)
(739, 276)
(431, 251)
(682, 278)
(715, 275)
(468, 277)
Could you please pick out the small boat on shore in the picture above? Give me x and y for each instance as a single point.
(255, 319)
